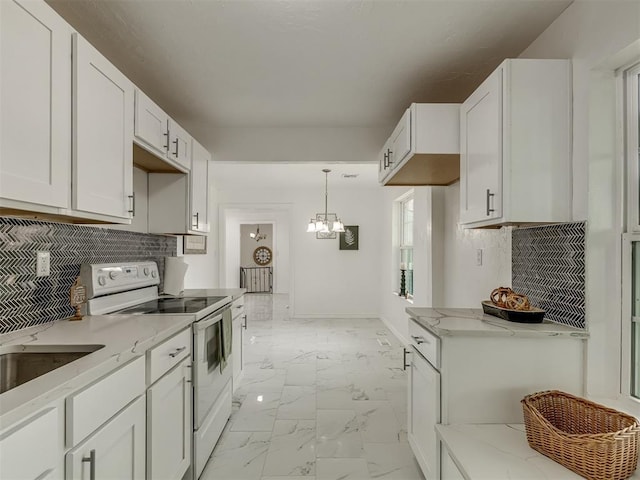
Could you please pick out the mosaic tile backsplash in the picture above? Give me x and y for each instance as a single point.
(27, 300)
(548, 266)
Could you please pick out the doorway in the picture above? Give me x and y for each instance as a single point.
(257, 262)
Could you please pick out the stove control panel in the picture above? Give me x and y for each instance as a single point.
(104, 278)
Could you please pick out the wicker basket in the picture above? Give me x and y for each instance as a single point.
(594, 441)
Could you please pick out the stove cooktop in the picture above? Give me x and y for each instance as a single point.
(173, 305)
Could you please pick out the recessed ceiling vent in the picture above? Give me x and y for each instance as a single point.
(349, 175)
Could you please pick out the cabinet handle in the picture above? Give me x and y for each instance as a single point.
(166, 145)
(389, 153)
(489, 196)
(176, 142)
(404, 358)
(92, 464)
(386, 160)
(133, 204)
(420, 340)
(177, 351)
(245, 322)
(195, 224)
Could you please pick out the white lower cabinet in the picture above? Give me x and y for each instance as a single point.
(473, 379)
(169, 424)
(43, 434)
(424, 414)
(449, 470)
(239, 324)
(115, 451)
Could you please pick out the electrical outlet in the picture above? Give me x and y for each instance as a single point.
(479, 257)
(43, 264)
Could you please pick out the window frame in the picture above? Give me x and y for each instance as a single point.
(401, 245)
(630, 77)
(632, 167)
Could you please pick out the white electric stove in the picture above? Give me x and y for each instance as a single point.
(131, 288)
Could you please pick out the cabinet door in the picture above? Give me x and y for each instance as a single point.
(151, 124)
(237, 337)
(449, 470)
(383, 162)
(103, 134)
(481, 152)
(169, 425)
(179, 145)
(115, 450)
(199, 188)
(43, 437)
(35, 104)
(424, 414)
(400, 140)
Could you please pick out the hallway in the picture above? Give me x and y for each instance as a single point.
(320, 399)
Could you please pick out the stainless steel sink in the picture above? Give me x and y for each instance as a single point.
(22, 363)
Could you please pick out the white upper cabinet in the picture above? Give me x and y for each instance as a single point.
(157, 133)
(178, 202)
(35, 107)
(199, 188)
(179, 144)
(515, 146)
(102, 135)
(424, 147)
(151, 125)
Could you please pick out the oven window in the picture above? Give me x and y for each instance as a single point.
(213, 342)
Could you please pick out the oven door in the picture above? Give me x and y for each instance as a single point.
(210, 374)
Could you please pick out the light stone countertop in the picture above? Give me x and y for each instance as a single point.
(444, 322)
(500, 452)
(124, 337)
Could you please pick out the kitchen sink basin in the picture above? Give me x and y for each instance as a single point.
(22, 363)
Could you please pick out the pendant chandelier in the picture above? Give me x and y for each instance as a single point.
(257, 236)
(326, 223)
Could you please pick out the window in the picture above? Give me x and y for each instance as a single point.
(405, 256)
(631, 259)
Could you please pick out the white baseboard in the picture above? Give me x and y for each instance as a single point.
(305, 316)
(395, 331)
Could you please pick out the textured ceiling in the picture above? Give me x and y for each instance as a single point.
(299, 63)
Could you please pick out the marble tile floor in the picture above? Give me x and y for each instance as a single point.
(321, 399)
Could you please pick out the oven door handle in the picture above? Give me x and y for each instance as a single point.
(206, 322)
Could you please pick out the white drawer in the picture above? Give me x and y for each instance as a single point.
(163, 357)
(237, 307)
(89, 408)
(425, 342)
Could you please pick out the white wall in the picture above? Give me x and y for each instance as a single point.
(445, 270)
(232, 216)
(593, 34)
(466, 284)
(299, 144)
(325, 281)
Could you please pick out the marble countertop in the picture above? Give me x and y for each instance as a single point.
(445, 322)
(500, 451)
(124, 337)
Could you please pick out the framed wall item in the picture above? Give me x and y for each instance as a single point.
(194, 244)
(262, 256)
(329, 218)
(349, 239)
